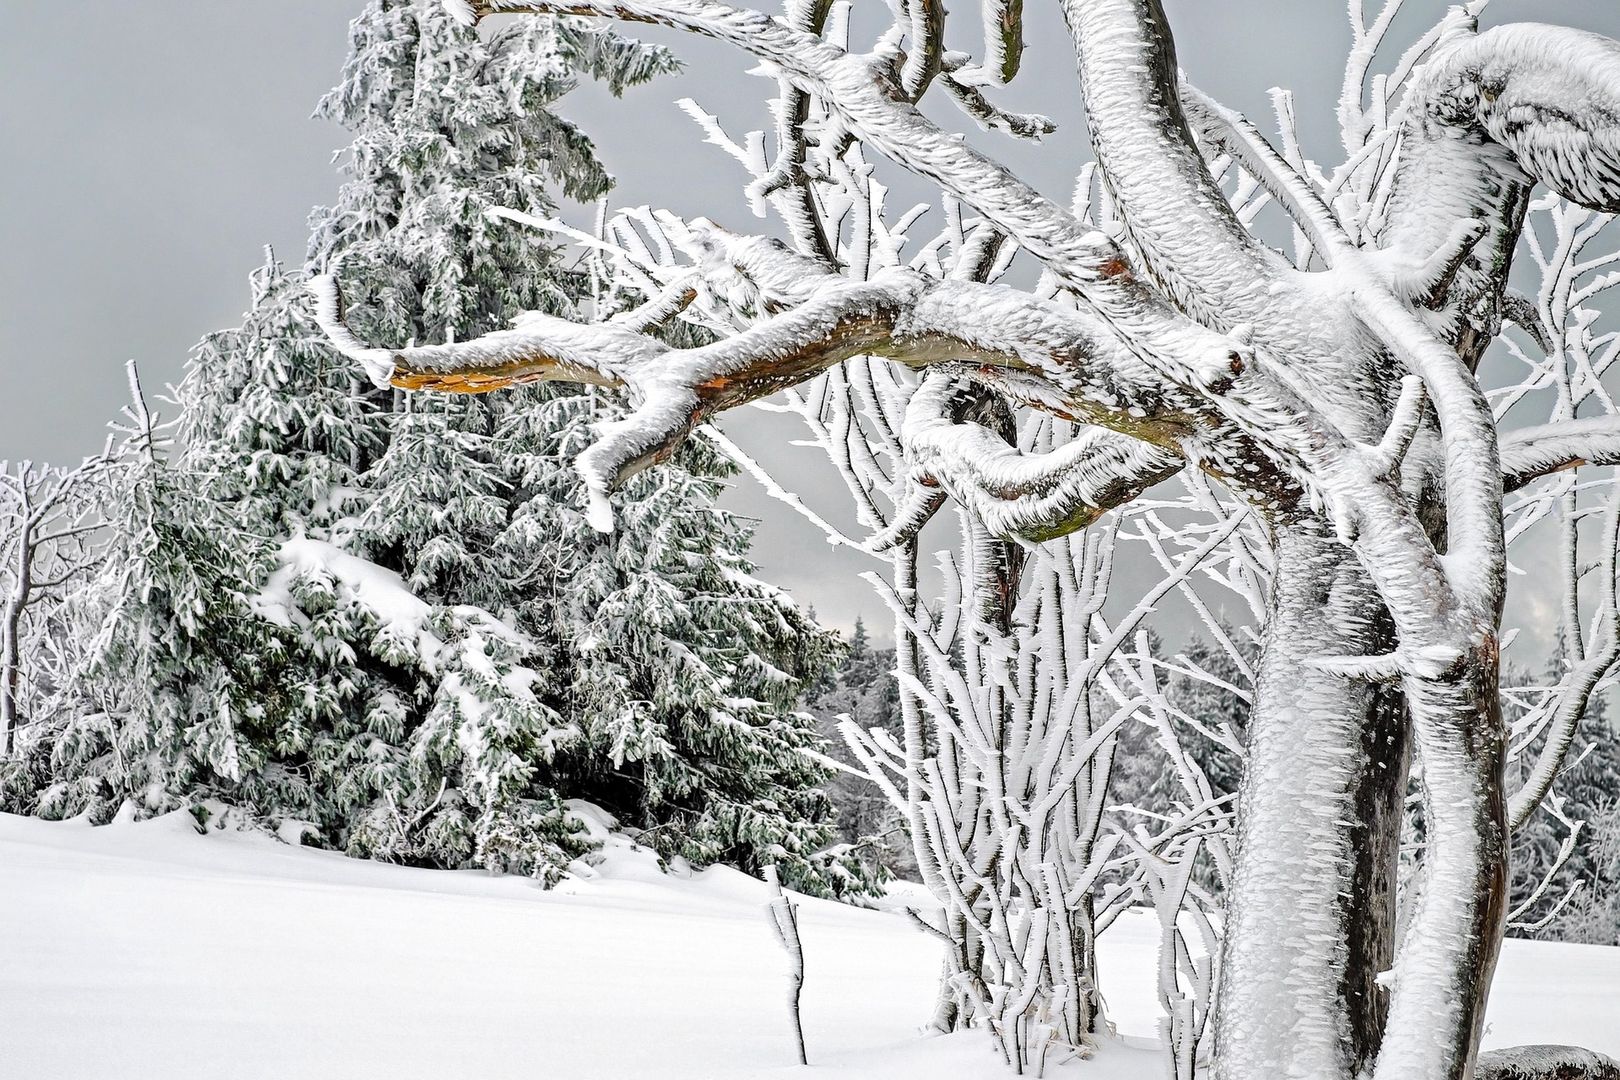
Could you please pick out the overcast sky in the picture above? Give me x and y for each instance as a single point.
(152, 149)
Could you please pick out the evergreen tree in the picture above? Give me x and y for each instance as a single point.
(275, 422)
(863, 687)
(429, 650)
(1592, 915)
(176, 686)
(1143, 774)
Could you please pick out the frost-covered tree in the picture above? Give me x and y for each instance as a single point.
(461, 639)
(50, 521)
(171, 693)
(1557, 861)
(1336, 392)
(864, 690)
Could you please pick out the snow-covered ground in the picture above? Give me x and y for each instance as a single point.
(147, 951)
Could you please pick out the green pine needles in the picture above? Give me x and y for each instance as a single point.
(382, 622)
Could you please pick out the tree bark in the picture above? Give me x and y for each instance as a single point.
(1308, 951)
(1442, 978)
(10, 646)
(1310, 923)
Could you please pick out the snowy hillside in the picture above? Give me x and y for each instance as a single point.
(146, 951)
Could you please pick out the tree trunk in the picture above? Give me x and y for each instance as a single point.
(1310, 923)
(1448, 956)
(10, 666)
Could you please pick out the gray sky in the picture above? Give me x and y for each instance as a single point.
(152, 149)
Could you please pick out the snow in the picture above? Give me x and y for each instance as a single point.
(380, 591)
(146, 950)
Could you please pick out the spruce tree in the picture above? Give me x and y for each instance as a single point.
(176, 683)
(444, 652)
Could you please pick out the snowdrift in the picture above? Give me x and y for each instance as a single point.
(149, 952)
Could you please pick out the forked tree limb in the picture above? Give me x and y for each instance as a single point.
(1042, 354)
(1547, 95)
(1488, 116)
(1026, 496)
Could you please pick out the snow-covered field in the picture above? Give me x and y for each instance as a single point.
(148, 951)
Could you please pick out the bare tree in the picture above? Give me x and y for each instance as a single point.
(1003, 765)
(49, 518)
(1337, 394)
(784, 916)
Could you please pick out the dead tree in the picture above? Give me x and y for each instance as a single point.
(1013, 681)
(784, 916)
(1336, 394)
